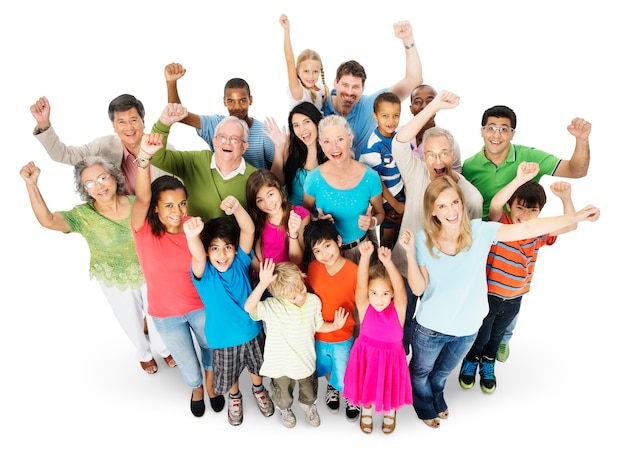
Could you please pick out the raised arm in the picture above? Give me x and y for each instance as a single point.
(413, 73)
(173, 72)
(266, 276)
(544, 225)
(416, 276)
(578, 165)
(231, 207)
(361, 297)
(150, 144)
(52, 220)
(525, 172)
(279, 139)
(400, 298)
(563, 190)
(443, 100)
(295, 87)
(192, 228)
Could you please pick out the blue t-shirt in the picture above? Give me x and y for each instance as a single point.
(360, 118)
(377, 155)
(455, 299)
(260, 151)
(224, 295)
(345, 205)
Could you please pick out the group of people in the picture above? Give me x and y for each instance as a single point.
(335, 248)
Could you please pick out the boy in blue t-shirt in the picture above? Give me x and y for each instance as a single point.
(221, 253)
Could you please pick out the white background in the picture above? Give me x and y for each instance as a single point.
(70, 385)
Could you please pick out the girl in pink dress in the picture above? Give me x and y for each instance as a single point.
(377, 375)
(279, 226)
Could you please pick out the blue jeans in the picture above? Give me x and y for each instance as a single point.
(435, 356)
(506, 338)
(410, 312)
(176, 334)
(501, 314)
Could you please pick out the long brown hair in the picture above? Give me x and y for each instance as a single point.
(432, 225)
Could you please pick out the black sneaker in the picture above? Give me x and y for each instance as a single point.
(487, 375)
(467, 376)
(352, 412)
(332, 399)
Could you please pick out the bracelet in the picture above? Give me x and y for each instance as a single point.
(410, 45)
(375, 222)
(143, 167)
(293, 237)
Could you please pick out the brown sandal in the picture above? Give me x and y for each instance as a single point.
(149, 366)
(169, 360)
(367, 422)
(389, 426)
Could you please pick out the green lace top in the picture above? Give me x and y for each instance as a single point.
(113, 258)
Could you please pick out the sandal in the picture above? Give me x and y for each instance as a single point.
(367, 421)
(389, 422)
(444, 415)
(169, 360)
(149, 366)
(432, 422)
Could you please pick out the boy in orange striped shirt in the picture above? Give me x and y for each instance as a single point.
(510, 268)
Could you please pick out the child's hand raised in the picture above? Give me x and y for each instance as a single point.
(366, 248)
(527, 170)
(193, 226)
(229, 205)
(266, 272)
(561, 189)
(384, 255)
(294, 222)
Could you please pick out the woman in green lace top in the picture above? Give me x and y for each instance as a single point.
(104, 221)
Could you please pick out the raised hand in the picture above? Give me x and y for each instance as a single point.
(193, 226)
(403, 30)
(341, 315)
(151, 143)
(294, 222)
(366, 248)
(172, 113)
(446, 100)
(41, 112)
(384, 255)
(407, 240)
(277, 136)
(365, 221)
(30, 173)
(561, 189)
(284, 21)
(266, 272)
(579, 128)
(527, 170)
(229, 205)
(174, 71)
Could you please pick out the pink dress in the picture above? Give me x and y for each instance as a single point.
(377, 372)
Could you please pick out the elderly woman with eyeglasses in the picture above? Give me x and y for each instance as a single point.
(104, 221)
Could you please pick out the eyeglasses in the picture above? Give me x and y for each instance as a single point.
(231, 140)
(439, 156)
(491, 129)
(100, 180)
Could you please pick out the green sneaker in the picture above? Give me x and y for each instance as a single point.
(503, 352)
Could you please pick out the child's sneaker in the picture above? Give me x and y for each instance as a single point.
(332, 399)
(352, 412)
(467, 376)
(312, 417)
(487, 376)
(503, 352)
(287, 417)
(235, 410)
(263, 400)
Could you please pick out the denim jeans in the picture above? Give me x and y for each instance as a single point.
(332, 358)
(435, 356)
(506, 338)
(176, 332)
(501, 314)
(410, 312)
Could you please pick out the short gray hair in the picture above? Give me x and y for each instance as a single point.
(107, 164)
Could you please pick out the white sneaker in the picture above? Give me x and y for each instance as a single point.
(312, 417)
(289, 420)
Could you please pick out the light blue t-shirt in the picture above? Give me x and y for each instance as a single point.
(455, 300)
(345, 205)
(260, 151)
(224, 295)
(360, 119)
